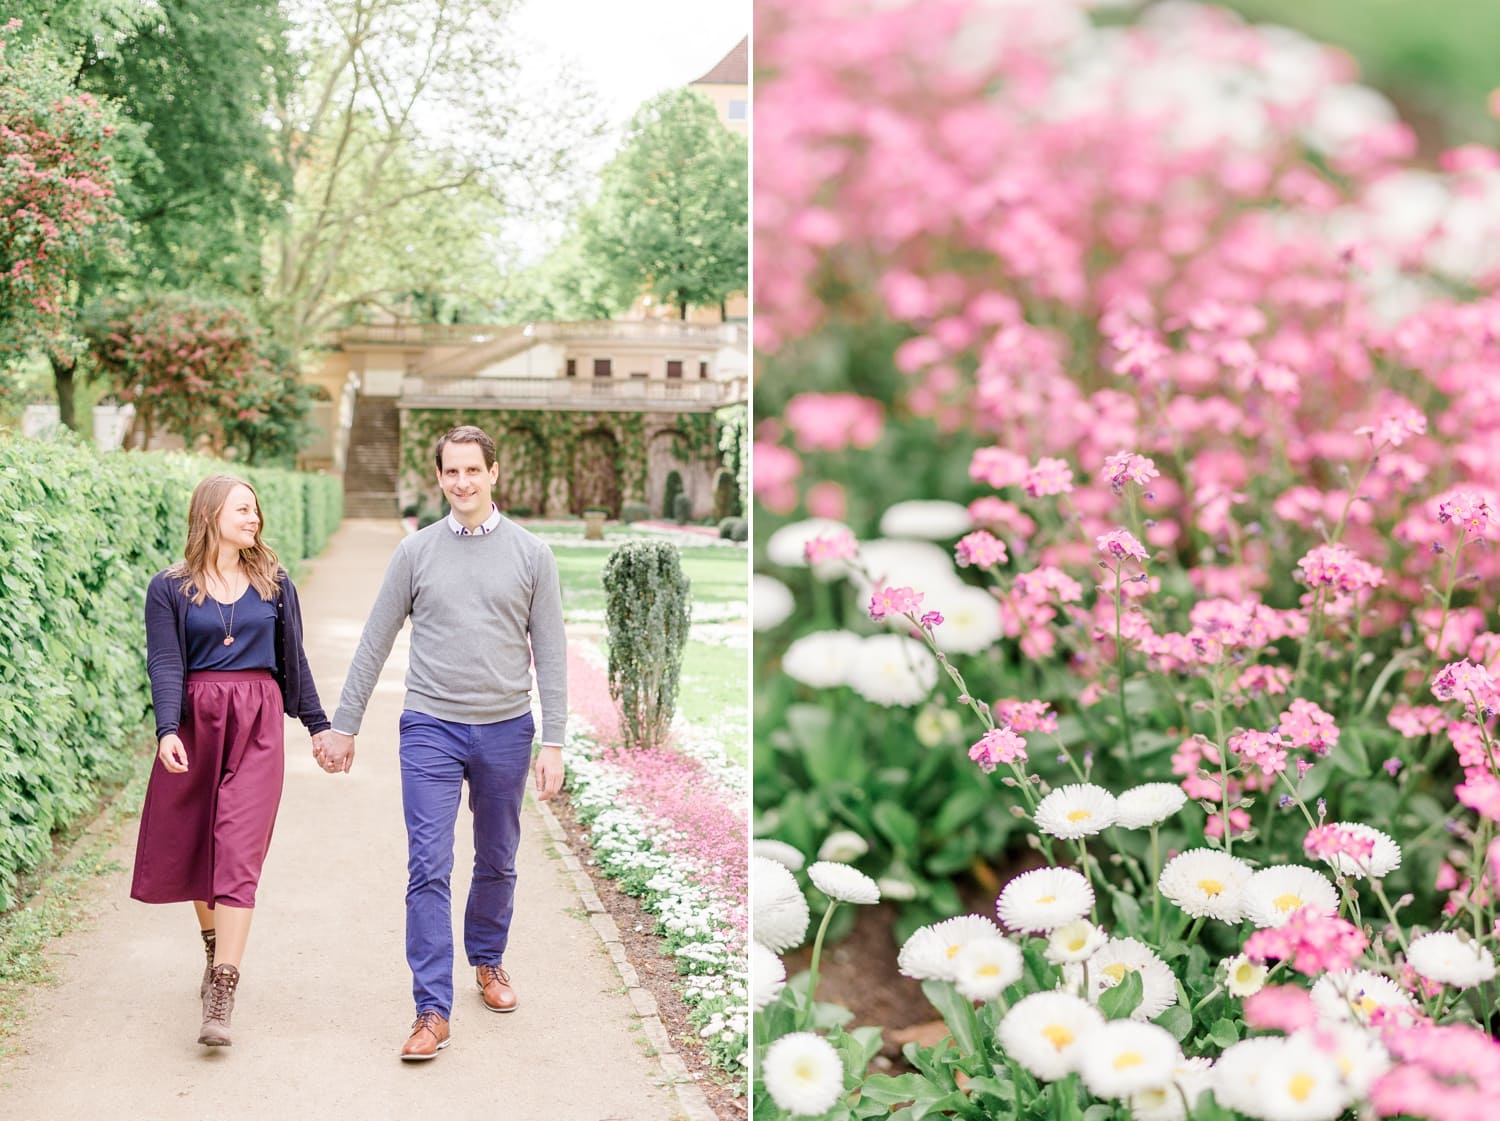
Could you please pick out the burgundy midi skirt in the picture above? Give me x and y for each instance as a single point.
(204, 834)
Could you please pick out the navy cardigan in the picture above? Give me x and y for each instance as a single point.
(166, 654)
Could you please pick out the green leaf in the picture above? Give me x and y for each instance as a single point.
(1224, 1033)
(1350, 756)
(890, 1091)
(960, 808)
(1119, 1002)
(957, 1013)
(1177, 1020)
(898, 826)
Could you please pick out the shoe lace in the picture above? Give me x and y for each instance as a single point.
(220, 993)
(494, 973)
(428, 1020)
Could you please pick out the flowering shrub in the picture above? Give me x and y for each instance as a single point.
(1163, 436)
(662, 824)
(58, 207)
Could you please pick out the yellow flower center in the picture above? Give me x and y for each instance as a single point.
(1127, 1059)
(1301, 1086)
(1116, 971)
(988, 970)
(1077, 943)
(1047, 899)
(1244, 973)
(1367, 1005)
(1057, 1035)
(1287, 902)
(1210, 887)
(805, 1071)
(1079, 815)
(953, 950)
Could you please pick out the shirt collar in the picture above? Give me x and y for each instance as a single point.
(490, 524)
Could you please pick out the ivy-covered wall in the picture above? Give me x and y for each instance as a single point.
(556, 457)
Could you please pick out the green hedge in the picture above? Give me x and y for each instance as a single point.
(80, 535)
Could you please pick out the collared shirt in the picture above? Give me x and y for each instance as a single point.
(489, 525)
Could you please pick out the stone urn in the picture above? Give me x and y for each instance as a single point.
(593, 524)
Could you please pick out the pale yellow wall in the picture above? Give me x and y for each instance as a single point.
(721, 94)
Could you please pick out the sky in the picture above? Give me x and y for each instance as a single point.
(633, 49)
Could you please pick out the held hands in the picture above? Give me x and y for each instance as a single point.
(334, 751)
(548, 768)
(172, 754)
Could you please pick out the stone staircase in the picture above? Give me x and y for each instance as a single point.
(373, 462)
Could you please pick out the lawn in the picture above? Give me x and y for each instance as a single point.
(714, 693)
(718, 575)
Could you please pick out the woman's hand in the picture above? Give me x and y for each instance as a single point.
(172, 754)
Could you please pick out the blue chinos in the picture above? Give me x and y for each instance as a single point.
(437, 757)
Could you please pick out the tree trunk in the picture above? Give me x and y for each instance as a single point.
(682, 310)
(723, 311)
(63, 369)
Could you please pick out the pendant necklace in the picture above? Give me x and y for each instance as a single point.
(229, 626)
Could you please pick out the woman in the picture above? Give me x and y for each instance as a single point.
(224, 653)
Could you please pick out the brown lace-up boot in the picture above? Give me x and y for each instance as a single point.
(208, 952)
(494, 987)
(219, 1006)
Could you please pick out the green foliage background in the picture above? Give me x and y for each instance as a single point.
(81, 534)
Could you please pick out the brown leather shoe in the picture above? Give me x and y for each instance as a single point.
(494, 986)
(429, 1035)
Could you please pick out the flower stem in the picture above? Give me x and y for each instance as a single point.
(812, 969)
(1120, 663)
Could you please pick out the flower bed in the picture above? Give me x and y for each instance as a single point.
(1126, 461)
(665, 825)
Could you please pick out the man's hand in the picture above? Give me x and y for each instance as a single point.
(334, 751)
(548, 768)
(172, 754)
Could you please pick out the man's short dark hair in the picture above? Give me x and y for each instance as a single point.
(467, 434)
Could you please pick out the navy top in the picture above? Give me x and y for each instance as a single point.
(252, 622)
(167, 645)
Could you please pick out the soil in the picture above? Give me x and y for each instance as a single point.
(658, 976)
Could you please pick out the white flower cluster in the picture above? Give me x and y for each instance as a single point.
(697, 920)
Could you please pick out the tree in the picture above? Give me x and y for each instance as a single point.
(673, 215)
(201, 370)
(566, 286)
(413, 142)
(59, 211)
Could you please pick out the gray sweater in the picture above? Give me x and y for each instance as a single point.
(473, 603)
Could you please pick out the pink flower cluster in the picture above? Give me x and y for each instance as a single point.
(1336, 567)
(980, 549)
(998, 745)
(836, 546)
(1120, 545)
(1027, 716)
(1451, 1072)
(1308, 727)
(1328, 841)
(1313, 943)
(894, 601)
(831, 422)
(1469, 511)
(1128, 467)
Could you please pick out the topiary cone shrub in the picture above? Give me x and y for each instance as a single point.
(647, 615)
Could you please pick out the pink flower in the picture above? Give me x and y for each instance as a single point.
(1481, 793)
(1415, 721)
(995, 513)
(1050, 476)
(827, 500)
(1261, 749)
(998, 467)
(1280, 1008)
(999, 745)
(1027, 716)
(1396, 428)
(1466, 682)
(1328, 841)
(1127, 467)
(932, 619)
(834, 421)
(894, 601)
(981, 550)
(1313, 943)
(836, 546)
(1307, 726)
(1469, 510)
(774, 477)
(1121, 545)
(1335, 566)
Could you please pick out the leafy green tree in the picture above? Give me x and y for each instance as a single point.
(568, 285)
(672, 217)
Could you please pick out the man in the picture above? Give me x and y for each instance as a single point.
(484, 603)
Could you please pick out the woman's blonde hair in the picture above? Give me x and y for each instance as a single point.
(202, 546)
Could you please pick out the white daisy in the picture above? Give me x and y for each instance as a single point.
(843, 883)
(779, 851)
(1151, 804)
(1355, 1050)
(778, 909)
(1206, 882)
(1076, 941)
(986, 967)
(803, 1073)
(843, 845)
(929, 953)
(1353, 994)
(894, 887)
(1385, 858)
(1190, 1077)
(822, 659)
(771, 602)
(930, 520)
(972, 622)
(911, 564)
(892, 669)
(1450, 958)
(767, 976)
(1298, 1083)
(1045, 1033)
(1236, 1076)
(1044, 899)
(1271, 895)
(787, 547)
(1124, 1058)
(1243, 977)
(1079, 810)
(1119, 956)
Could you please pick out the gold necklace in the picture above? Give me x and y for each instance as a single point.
(219, 607)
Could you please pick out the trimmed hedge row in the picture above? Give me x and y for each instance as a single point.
(80, 535)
